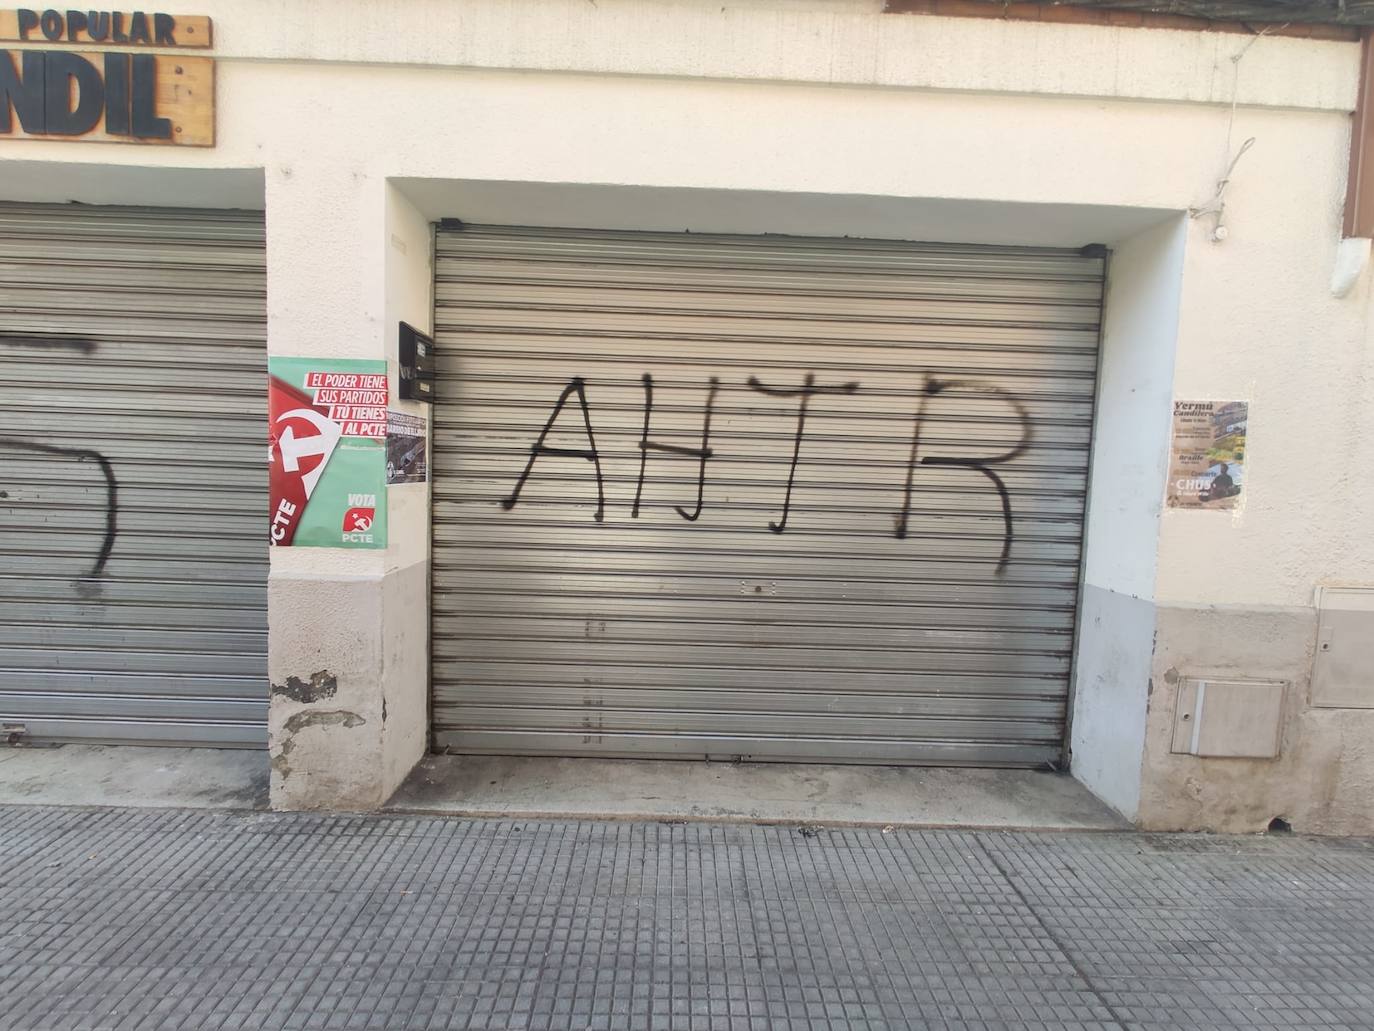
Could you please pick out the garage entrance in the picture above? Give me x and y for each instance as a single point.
(764, 498)
(133, 558)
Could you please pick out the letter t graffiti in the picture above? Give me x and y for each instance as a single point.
(805, 392)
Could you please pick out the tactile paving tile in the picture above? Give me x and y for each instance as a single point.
(142, 920)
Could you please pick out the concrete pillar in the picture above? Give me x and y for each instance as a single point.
(1116, 623)
(348, 258)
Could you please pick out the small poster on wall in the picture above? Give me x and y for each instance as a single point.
(1207, 454)
(406, 461)
(327, 423)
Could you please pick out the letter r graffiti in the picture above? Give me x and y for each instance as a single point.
(933, 388)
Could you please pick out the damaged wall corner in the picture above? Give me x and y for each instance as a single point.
(324, 719)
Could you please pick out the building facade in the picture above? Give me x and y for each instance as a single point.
(812, 382)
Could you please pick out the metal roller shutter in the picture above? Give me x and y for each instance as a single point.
(811, 612)
(133, 563)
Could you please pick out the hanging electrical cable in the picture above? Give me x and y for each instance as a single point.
(1217, 205)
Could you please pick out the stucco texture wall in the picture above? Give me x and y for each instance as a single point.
(334, 102)
(1234, 592)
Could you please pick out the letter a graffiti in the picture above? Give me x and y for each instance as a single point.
(575, 386)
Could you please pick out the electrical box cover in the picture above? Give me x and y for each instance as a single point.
(416, 359)
(1231, 719)
(1342, 673)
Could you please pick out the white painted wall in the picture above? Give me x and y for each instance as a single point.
(366, 118)
(407, 296)
(1258, 323)
(840, 42)
(1135, 383)
(1250, 304)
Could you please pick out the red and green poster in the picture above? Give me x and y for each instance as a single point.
(327, 449)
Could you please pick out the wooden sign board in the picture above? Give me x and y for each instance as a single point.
(111, 97)
(105, 28)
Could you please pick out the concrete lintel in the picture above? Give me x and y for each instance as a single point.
(791, 213)
(87, 181)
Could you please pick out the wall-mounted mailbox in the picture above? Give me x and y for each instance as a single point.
(1229, 719)
(416, 359)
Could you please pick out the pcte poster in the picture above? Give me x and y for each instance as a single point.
(327, 452)
(1207, 454)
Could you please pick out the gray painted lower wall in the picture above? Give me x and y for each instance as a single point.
(405, 672)
(348, 660)
(1111, 689)
(324, 715)
(1132, 657)
(1323, 779)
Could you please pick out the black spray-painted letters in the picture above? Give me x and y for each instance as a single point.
(805, 391)
(933, 388)
(575, 386)
(703, 453)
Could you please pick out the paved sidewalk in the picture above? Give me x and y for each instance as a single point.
(215, 919)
